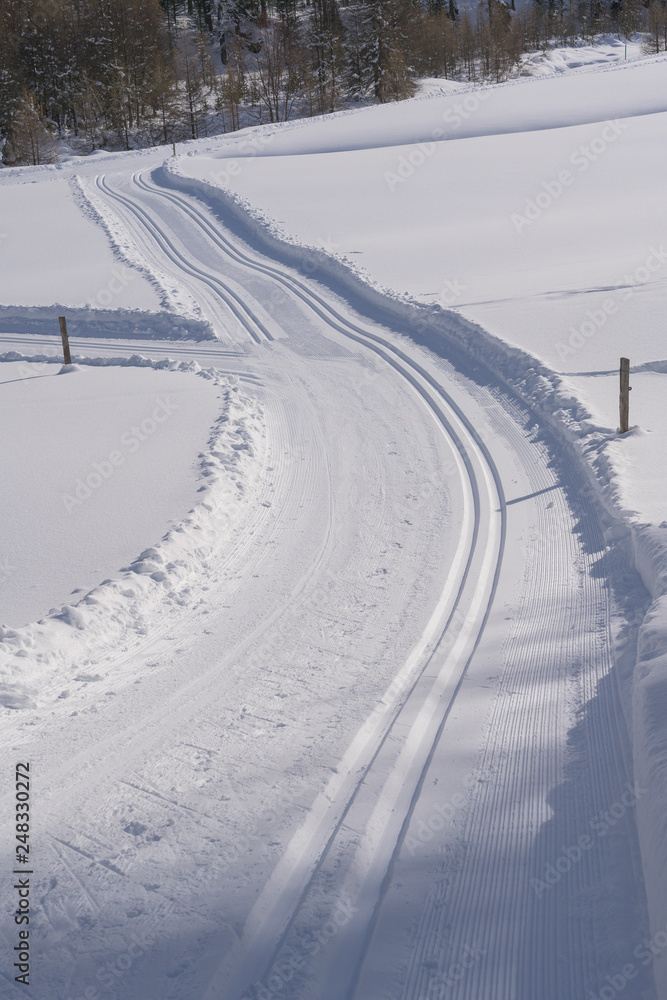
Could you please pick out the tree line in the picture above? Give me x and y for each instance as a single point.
(86, 74)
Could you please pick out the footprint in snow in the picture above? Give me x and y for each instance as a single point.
(135, 829)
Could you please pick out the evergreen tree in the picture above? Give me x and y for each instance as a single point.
(96, 72)
(325, 43)
(657, 39)
(385, 26)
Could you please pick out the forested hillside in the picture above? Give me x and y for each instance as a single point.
(85, 74)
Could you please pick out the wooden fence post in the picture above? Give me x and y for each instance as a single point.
(65, 338)
(624, 398)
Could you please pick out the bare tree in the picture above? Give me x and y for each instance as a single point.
(657, 28)
(32, 139)
(279, 71)
(89, 116)
(231, 87)
(194, 88)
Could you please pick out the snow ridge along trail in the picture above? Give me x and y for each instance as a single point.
(548, 724)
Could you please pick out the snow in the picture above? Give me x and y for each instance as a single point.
(523, 213)
(387, 637)
(505, 219)
(126, 424)
(635, 458)
(56, 257)
(608, 49)
(60, 433)
(50, 252)
(455, 226)
(522, 105)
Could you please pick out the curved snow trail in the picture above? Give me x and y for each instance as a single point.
(247, 320)
(426, 704)
(296, 610)
(380, 819)
(386, 625)
(414, 728)
(109, 759)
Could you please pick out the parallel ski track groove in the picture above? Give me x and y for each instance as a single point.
(414, 374)
(245, 317)
(513, 834)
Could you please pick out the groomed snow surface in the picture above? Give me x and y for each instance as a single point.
(335, 604)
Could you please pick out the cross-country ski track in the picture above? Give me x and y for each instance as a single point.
(427, 587)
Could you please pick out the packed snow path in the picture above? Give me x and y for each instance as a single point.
(363, 762)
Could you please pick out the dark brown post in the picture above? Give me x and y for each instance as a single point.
(173, 146)
(63, 334)
(624, 399)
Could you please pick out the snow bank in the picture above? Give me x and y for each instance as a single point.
(134, 361)
(607, 50)
(513, 229)
(550, 397)
(546, 392)
(650, 727)
(38, 660)
(109, 323)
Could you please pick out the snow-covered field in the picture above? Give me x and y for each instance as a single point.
(57, 251)
(355, 685)
(109, 455)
